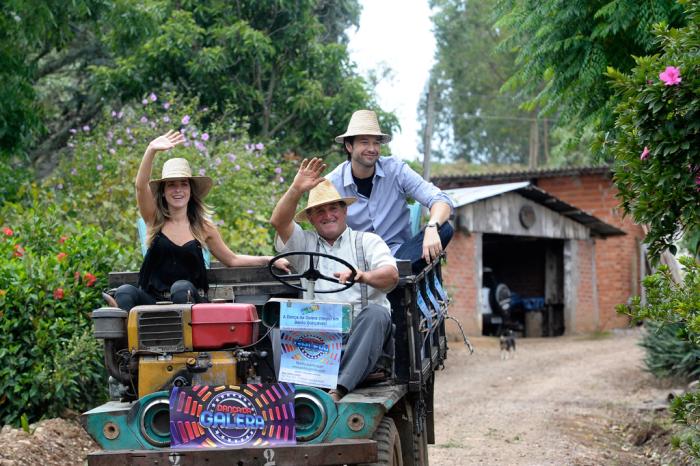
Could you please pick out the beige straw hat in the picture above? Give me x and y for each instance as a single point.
(178, 169)
(324, 193)
(364, 122)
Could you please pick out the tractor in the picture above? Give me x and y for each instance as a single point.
(233, 340)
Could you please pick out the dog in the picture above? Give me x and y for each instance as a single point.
(507, 341)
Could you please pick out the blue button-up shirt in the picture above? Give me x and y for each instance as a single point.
(386, 212)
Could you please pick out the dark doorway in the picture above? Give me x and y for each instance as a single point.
(532, 270)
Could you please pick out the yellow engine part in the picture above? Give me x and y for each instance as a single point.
(211, 368)
(161, 328)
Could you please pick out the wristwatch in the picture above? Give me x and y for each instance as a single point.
(432, 224)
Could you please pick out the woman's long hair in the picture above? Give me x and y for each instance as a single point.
(198, 214)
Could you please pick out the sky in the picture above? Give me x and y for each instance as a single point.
(396, 34)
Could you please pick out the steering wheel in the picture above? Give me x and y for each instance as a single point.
(312, 273)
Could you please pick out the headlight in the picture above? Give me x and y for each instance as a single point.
(154, 422)
(311, 416)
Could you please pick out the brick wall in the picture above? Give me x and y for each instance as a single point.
(462, 276)
(616, 258)
(585, 289)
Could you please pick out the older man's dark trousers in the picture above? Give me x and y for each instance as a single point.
(370, 332)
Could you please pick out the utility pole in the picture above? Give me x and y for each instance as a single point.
(428, 134)
(534, 142)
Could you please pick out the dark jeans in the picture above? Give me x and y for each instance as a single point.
(413, 249)
(128, 296)
(370, 332)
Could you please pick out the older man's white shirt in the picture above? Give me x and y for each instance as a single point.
(377, 254)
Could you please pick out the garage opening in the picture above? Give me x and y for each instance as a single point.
(523, 285)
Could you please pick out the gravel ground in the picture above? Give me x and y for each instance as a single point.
(566, 400)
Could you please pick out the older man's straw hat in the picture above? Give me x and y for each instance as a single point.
(324, 193)
(364, 122)
(179, 169)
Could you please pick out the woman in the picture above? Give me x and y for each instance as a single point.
(178, 226)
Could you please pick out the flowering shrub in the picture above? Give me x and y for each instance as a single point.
(655, 142)
(97, 181)
(51, 274)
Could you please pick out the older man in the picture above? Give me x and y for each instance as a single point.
(382, 185)
(376, 275)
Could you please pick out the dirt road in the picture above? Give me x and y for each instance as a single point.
(566, 400)
(560, 401)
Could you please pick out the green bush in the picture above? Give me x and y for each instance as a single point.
(96, 178)
(668, 353)
(51, 274)
(676, 305)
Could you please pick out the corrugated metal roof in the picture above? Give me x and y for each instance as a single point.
(464, 196)
(542, 172)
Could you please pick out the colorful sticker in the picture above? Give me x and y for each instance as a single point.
(231, 416)
(311, 358)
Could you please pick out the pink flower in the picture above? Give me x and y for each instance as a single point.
(278, 170)
(86, 128)
(671, 76)
(202, 172)
(259, 146)
(185, 119)
(166, 105)
(58, 293)
(231, 158)
(62, 239)
(153, 97)
(205, 136)
(19, 250)
(645, 154)
(144, 120)
(8, 231)
(61, 256)
(144, 101)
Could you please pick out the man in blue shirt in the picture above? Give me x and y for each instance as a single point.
(382, 185)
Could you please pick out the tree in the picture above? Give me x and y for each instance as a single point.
(564, 47)
(473, 120)
(272, 64)
(274, 68)
(33, 36)
(655, 138)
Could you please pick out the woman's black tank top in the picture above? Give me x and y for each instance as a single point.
(166, 262)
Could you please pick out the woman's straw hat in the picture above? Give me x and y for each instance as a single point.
(179, 169)
(324, 193)
(364, 122)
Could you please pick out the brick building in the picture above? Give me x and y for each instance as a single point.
(585, 262)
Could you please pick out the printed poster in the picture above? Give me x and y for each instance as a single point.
(249, 415)
(311, 358)
(319, 317)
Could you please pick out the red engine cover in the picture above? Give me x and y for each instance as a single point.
(222, 325)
